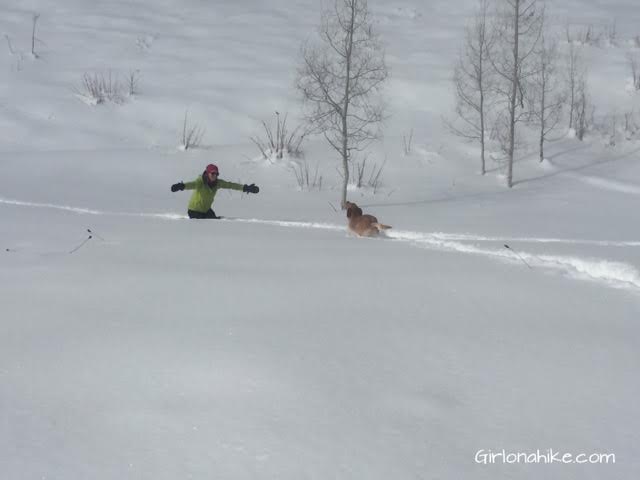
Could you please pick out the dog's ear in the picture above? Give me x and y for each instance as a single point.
(349, 206)
(357, 210)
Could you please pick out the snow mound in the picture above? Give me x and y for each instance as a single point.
(546, 164)
(616, 274)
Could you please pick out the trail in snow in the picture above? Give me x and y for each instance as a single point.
(88, 211)
(569, 241)
(328, 226)
(290, 224)
(614, 274)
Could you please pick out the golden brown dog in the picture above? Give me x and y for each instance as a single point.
(363, 225)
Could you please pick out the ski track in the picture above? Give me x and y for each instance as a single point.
(613, 274)
(568, 241)
(88, 211)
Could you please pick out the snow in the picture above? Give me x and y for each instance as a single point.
(273, 343)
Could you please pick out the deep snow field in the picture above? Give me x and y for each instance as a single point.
(274, 344)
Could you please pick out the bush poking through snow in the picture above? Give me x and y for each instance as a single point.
(634, 65)
(14, 53)
(631, 127)
(375, 177)
(275, 144)
(582, 35)
(98, 88)
(362, 177)
(20, 55)
(599, 36)
(305, 180)
(133, 79)
(406, 141)
(615, 128)
(11, 50)
(357, 171)
(36, 16)
(191, 133)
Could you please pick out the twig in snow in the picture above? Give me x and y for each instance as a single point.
(81, 245)
(516, 253)
(95, 234)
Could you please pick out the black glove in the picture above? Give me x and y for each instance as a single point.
(253, 188)
(177, 187)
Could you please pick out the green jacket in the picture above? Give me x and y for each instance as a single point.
(202, 198)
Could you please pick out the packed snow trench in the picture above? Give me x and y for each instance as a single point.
(611, 273)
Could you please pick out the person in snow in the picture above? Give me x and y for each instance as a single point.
(205, 188)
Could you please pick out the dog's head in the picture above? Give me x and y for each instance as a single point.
(353, 210)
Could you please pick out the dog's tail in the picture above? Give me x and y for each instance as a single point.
(381, 226)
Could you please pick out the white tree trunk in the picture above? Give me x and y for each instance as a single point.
(514, 93)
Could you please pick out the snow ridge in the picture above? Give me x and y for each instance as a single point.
(291, 224)
(614, 274)
(569, 241)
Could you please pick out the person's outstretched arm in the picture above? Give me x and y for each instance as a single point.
(238, 186)
(177, 187)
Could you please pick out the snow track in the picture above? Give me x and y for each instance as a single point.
(290, 224)
(89, 211)
(613, 274)
(567, 241)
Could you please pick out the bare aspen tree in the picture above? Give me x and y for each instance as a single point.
(341, 78)
(546, 98)
(584, 109)
(473, 82)
(518, 35)
(575, 74)
(577, 91)
(572, 75)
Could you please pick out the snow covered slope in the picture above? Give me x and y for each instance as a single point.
(273, 344)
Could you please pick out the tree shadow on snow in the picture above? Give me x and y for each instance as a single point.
(559, 171)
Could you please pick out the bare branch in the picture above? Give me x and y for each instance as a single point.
(36, 16)
(191, 134)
